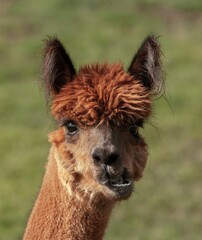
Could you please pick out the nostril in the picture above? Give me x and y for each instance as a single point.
(112, 158)
(96, 158)
(102, 155)
(97, 155)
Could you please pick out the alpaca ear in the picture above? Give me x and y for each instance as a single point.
(146, 65)
(57, 67)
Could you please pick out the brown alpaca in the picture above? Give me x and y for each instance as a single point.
(97, 152)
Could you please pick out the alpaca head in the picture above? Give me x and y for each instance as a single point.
(99, 110)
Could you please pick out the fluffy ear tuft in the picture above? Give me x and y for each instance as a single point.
(146, 65)
(57, 67)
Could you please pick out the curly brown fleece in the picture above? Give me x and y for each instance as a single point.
(103, 94)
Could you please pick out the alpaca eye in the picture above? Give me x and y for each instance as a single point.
(71, 127)
(134, 131)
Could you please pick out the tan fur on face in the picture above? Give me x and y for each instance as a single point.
(76, 176)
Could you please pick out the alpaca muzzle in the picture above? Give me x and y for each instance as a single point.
(111, 173)
(121, 184)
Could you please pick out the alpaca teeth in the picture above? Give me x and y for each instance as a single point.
(121, 182)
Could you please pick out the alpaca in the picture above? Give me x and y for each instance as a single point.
(97, 152)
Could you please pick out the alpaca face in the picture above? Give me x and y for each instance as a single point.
(107, 158)
(101, 109)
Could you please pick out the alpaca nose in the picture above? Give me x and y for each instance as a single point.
(107, 156)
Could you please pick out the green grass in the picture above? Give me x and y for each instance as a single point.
(167, 201)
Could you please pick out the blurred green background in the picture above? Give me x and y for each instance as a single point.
(167, 203)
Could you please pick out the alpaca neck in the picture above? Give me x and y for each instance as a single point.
(56, 215)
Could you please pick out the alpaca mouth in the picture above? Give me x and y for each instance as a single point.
(121, 183)
(119, 186)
